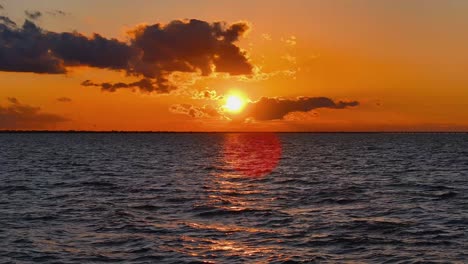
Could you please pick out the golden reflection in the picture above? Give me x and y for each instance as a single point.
(226, 246)
(229, 228)
(236, 189)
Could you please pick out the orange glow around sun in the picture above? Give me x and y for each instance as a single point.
(234, 103)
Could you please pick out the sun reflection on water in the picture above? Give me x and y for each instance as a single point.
(252, 154)
(236, 189)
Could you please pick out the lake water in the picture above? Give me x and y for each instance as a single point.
(233, 198)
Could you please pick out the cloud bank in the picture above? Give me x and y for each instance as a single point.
(21, 116)
(152, 52)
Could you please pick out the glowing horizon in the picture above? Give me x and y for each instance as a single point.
(163, 67)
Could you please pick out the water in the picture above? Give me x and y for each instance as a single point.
(180, 198)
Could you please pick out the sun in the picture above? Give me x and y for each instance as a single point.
(234, 103)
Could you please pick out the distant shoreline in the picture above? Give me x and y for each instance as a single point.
(220, 132)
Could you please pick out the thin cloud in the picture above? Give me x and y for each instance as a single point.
(33, 15)
(64, 100)
(21, 116)
(57, 13)
(160, 85)
(205, 111)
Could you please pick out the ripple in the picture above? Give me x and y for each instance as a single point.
(176, 198)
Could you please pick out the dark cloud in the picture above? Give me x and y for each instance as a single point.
(64, 100)
(189, 46)
(20, 116)
(30, 49)
(277, 108)
(75, 49)
(195, 111)
(153, 51)
(1, 7)
(27, 50)
(33, 15)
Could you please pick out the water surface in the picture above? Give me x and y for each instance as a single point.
(180, 198)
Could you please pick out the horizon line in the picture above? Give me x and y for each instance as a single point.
(219, 132)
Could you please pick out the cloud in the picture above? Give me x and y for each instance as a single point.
(64, 100)
(6, 22)
(57, 13)
(153, 52)
(13, 100)
(266, 36)
(289, 58)
(290, 41)
(20, 116)
(265, 109)
(26, 50)
(277, 108)
(160, 85)
(1, 7)
(33, 15)
(189, 46)
(206, 95)
(195, 111)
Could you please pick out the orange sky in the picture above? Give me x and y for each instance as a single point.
(403, 62)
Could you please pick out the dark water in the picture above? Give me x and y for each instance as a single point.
(151, 198)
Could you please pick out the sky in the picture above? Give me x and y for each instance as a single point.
(297, 65)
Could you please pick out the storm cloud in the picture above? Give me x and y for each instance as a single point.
(277, 108)
(21, 116)
(153, 52)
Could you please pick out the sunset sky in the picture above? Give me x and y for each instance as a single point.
(297, 65)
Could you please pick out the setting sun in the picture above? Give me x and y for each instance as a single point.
(234, 103)
(233, 131)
